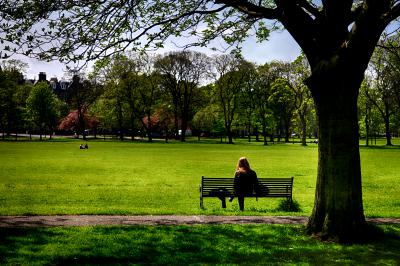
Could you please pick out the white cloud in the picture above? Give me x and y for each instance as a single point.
(52, 69)
(280, 46)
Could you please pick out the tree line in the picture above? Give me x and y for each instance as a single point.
(141, 95)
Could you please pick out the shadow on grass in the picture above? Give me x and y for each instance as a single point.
(380, 147)
(222, 244)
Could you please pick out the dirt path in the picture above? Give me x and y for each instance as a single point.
(91, 220)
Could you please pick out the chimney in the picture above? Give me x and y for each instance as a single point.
(42, 76)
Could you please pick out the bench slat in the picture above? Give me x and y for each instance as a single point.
(273, 187)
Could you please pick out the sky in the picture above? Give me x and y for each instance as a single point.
(280, 46)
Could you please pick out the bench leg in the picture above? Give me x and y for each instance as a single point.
(223, 201)
(201, 203)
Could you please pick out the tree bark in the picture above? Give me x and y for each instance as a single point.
(386, 117)
(257, 134)
(303, 122)
(132, 120)
(120, 118)
(149, 127)
(367, 114)
(264, 133)
(249, 131)
(338, 208)
(81, 121)
(184, 125)
(229, 134)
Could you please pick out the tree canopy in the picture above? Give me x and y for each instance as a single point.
(86, 30)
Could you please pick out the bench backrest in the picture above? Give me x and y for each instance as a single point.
(269, 187)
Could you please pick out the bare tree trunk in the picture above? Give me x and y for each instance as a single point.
(149, 128)
(249, 130)
(229, 133)
(387, 126)
(303, 129)
(81, 120)
(264, 133)
(120, 120)
(132, 126)
(338, 208)
(367, 114)
(257, 134)
(184, 126)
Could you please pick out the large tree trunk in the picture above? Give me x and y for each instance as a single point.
(338, 209)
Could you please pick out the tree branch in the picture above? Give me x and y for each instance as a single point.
(257, 11)
(306, 5)
(299, 24)
(392, 14)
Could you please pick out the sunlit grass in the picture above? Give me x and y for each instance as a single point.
(56, 177)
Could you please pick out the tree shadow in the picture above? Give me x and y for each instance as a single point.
(211, 244)
(380, 147)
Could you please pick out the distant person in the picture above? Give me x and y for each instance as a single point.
(86, 146)
(81, 147)
(245, 183)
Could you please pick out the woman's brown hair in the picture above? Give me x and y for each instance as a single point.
(243, 165)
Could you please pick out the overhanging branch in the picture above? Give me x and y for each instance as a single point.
(251, 9)
(392, 14)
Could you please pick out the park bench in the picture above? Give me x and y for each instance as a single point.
(223, 187)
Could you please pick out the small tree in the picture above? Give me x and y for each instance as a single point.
(72, 121)
(304, 102)
(42, 107)
(247, 99)
(205, 119)
(262, 91)
(82, 93)
(12, 96)
(382, 92)
(282, 102)
(182, 73)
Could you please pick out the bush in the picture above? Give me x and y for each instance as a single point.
(289, 206)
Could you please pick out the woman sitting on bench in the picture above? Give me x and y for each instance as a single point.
(245, 183)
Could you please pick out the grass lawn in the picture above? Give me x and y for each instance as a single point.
(55, 177)
(111, 177)
(184, 245)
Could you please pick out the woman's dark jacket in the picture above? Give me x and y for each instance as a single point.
(245, 183)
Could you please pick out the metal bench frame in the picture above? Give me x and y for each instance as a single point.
(223, 187)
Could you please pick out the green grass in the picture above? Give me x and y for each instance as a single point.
(55, 177)
(194, 245)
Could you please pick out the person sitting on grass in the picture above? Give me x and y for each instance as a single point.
(245, 183)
